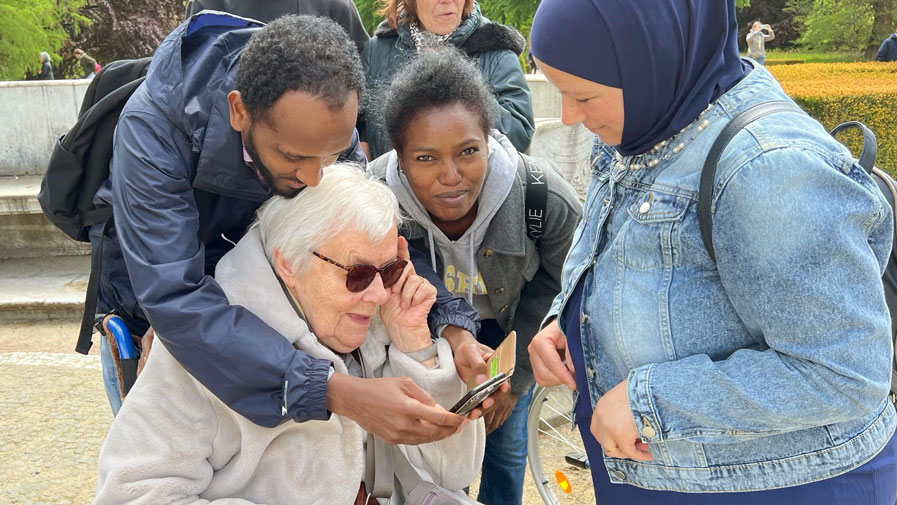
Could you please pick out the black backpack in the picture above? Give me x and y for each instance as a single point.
(79, 165)
(885, 183)
(80, 161)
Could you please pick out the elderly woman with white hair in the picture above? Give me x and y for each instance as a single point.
(328, 270)
(45, 72)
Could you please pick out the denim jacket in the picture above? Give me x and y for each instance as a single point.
(769, 367)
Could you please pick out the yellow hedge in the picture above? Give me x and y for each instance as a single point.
(837, 92)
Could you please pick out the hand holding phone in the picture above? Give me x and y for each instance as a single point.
(500, 367)
(476, 395)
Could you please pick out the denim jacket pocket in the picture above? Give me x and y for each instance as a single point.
(650, 238)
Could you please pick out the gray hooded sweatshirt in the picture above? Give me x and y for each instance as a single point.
(521, 276)
(462, 276)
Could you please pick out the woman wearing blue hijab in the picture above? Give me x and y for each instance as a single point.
(757, 376)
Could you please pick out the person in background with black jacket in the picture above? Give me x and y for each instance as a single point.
(888, 49)
(343, 12)
(201, 144)
(45, 73)
(413, 26)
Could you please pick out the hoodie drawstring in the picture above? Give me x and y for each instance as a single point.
(432, 251)
(474, 272)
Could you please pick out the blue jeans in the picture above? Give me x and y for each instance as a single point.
(110, 381)
(762, 60)
(504, 463)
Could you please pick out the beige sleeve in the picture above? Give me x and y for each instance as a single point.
(156, 450)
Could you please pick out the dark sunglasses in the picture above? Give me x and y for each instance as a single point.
(361, 276)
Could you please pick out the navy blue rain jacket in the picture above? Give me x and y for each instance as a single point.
(888, 49)
(181, 196)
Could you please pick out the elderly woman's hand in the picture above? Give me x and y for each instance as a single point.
(405, 312)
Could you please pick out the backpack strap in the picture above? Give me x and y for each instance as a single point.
(870, 144)
(708, 172)
(93, 284)
(536, 199)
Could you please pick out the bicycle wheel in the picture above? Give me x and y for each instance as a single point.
(557, 458)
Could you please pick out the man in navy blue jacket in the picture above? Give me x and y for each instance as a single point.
(888, 49)
(219, 125)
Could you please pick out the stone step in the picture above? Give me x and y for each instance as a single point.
(24, 230)
(50, 288)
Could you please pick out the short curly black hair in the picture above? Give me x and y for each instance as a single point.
(433, 80)
(298, 53)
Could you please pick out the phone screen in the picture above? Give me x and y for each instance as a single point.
(500, 367)
(476, 395)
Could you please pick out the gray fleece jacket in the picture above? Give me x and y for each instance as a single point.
(505, 275)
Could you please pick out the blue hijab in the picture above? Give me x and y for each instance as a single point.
(670, 57)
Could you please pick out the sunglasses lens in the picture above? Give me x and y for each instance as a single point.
(393, 272)
(360, 277)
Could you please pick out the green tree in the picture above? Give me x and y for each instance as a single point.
(124, 29)
(516, 13)
(833, 25)
(28, 27)
(884, 24)
(368, 10)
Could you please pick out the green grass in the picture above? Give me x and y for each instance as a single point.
(810, 57)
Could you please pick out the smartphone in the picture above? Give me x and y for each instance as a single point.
(476, 395)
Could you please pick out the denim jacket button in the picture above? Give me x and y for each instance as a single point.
(644, 208)
(648, 432)
(619, 475)
(590, 372)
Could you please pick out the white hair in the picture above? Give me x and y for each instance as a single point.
(347, 198)
(44, 56)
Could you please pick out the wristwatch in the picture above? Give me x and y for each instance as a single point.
(423, 354)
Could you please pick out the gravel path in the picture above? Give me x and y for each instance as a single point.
(54, 420)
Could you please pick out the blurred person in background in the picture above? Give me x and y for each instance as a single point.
(888, 49)
(412, 26)
(45, 72)
(757, 38)
(88, 64)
